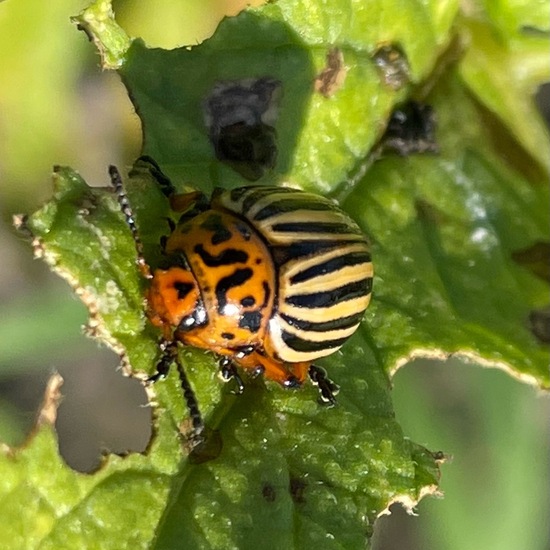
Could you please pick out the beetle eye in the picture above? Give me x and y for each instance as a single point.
(187, 322)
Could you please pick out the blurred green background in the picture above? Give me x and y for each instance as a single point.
(58, 107)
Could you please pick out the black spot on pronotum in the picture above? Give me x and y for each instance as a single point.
(539, 321)
(248, 301)
(251, 320)
(214, 223)
(228, 335)
(268, 492)
(237, 278)
(297, 488)
(183, 289)
(535, 258)
(185, 228)
(225, 257)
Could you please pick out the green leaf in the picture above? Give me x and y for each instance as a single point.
(281, 450)
(287, 42)
(55, 340)
(453, 236)
(48, 505)
(504, 75)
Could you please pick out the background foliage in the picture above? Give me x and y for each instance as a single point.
(31, 153)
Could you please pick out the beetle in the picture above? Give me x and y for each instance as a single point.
(270, 279)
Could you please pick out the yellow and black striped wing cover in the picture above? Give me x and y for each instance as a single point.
(323, 265)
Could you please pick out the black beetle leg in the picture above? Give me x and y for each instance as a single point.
(166, 186)
(168, 350)
(327, 388)
(258, 371)
(291, 383)
(169, 357)
(228, 371)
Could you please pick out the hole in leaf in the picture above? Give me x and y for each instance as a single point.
(101, 411)
(240, 117)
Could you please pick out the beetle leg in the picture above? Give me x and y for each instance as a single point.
(164, 182)
(258, 371)
(257, 363)
(169, 357)
(228, 371)
(178, 202)
(327, 388)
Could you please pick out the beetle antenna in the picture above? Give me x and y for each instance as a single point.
(122, 197)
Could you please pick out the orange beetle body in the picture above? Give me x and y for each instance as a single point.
(268, 278)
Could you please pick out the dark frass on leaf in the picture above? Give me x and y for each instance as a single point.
(214, 287)
(393, 66)
(332, 77)
(411, 129)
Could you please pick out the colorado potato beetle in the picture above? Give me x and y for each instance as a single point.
(270, 279)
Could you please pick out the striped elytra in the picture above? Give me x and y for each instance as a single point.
(322, 266)
(268, 278)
